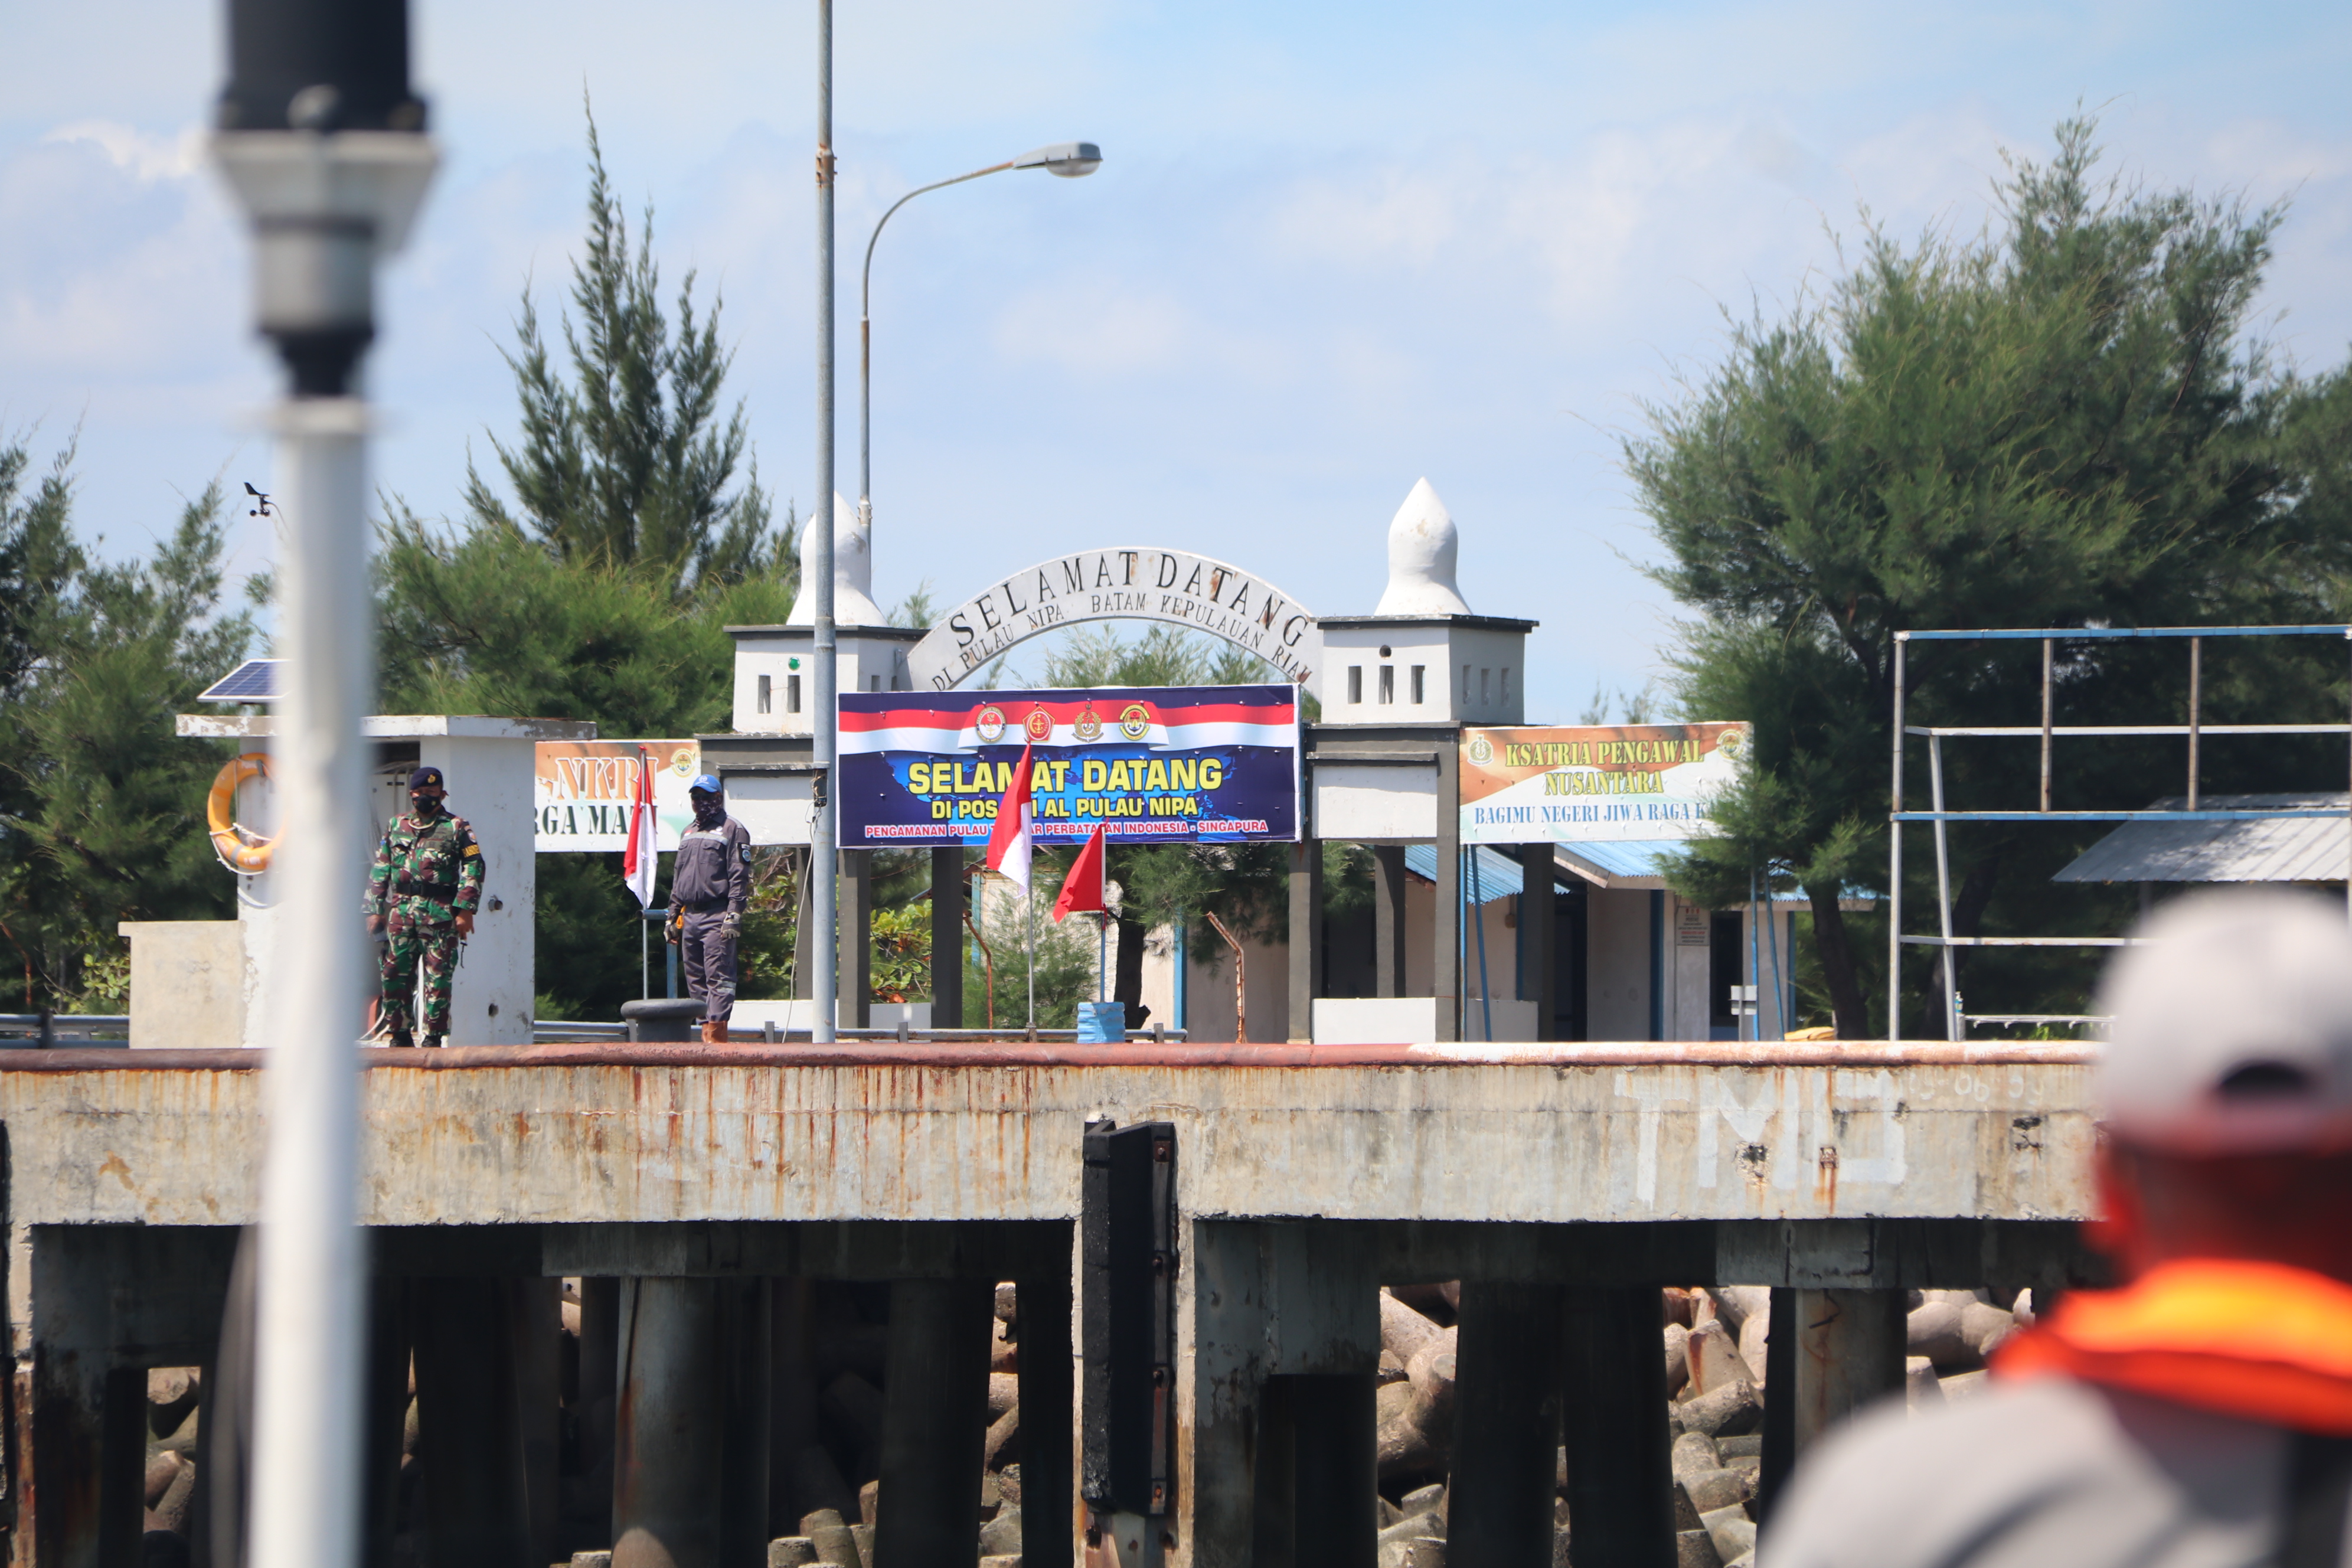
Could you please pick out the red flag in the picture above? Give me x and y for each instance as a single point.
(1008, 840)
(1082, 889)
(637, 863)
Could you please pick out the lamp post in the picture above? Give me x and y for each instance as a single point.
(323, 144)
(1070, 159)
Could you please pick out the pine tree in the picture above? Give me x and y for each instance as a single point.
(2064, 421)
(102, 804)
(628, 463)
(603, 590)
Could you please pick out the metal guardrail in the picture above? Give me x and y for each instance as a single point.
(555, 1031)
(2049, 731)
(545, 1030)
(39, 1031)
(34, 1031)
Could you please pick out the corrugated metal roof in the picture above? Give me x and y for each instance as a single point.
(1499, 876)
(1617, 862)
(2292, 849)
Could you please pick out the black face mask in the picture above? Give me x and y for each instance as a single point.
(709, 809)
(424, 805)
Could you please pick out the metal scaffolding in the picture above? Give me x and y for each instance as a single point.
(1957, 1021)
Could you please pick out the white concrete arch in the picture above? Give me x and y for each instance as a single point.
(1142, 583)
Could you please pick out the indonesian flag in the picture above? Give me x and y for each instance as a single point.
(1082, 889)
(1011, 840)
(640, 860)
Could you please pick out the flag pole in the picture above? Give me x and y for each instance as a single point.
(1029, 902)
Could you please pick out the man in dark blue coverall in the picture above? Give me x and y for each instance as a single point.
(708, 892)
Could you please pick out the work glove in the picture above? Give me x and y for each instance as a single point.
(730, 925)
(674, 927)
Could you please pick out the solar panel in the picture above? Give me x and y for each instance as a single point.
(255, 680)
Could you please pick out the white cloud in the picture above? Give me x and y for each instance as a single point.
(146, 157)
(1392, 212)
(1323, 256)
(1094, 330)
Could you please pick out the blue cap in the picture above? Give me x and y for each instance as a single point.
(425, 778)
(707, 782)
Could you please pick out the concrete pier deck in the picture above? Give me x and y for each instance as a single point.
(1306, 1177)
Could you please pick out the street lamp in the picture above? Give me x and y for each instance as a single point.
(1070, 159)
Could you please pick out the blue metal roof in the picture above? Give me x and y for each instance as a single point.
(1617, 858)
(1626, 857)
(1499, 876)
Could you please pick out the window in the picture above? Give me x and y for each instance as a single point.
(873, 683)
(763, 694)
(1484, 682)
(1420, 684)
(1506, 683)
(1356, 684)
(1465, 683)
(1387, 684)
(792, 694)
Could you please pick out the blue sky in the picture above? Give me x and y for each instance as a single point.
(1332, 249)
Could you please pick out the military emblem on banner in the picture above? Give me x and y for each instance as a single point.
(1135, 722)
(1087, 726)
(1481, 751)
(989, 724)
(1038, 726)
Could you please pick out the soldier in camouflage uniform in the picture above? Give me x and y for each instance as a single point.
(422, 893)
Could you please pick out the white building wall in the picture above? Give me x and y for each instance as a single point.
(489, 784)
(1494, 691)
(1500, 920)
(863, 664)
(1209, 984)
(1210, 999)
(1420, 937)
(1159, 992)
(1778, 1018)
(1689, 956)
(1617, 963)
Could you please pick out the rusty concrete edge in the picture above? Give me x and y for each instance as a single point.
(1140, 1054)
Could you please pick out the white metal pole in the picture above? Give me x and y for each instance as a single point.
(1894, 864)
(307, 1397)
(1944, 888)
(325, 202)
(1755, 964)
(824, 944)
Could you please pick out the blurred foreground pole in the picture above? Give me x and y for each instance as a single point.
(323, 144)
(824, 892)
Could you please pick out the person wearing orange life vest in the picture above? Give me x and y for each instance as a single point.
(2200, 1415)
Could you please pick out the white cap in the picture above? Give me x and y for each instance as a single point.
(2232, 1029)
(852, 572)
(1423, 544)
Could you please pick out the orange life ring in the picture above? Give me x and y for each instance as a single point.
(220, 816)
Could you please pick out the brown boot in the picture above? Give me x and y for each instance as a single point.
(716, 1033)
(705, 1027)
